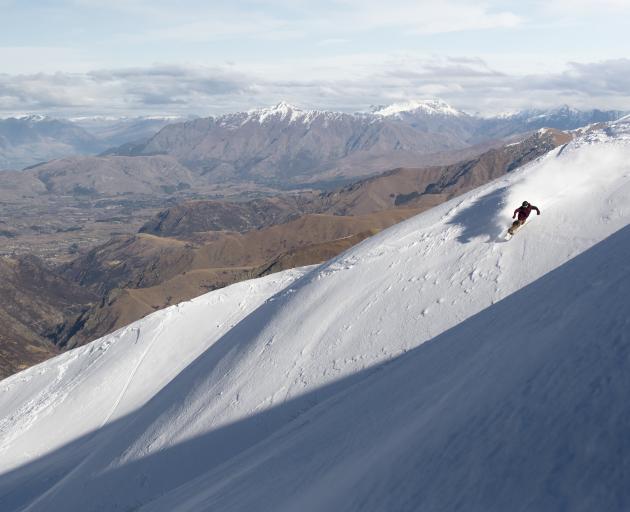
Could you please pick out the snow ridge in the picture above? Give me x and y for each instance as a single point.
(435, 107)
(290, 114)
(388, 378)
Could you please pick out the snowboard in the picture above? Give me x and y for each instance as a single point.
(508, 235)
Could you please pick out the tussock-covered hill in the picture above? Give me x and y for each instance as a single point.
(406, 187)
(36, 303)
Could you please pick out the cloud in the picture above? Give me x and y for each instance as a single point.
(119, 90)
(607, 78)
(469, 83)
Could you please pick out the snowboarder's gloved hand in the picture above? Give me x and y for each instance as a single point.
(538, 213)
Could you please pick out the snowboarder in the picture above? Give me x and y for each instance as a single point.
(523, 212)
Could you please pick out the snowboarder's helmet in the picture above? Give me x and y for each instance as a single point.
(525, 204)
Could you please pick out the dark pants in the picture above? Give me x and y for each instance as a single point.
(516, 224)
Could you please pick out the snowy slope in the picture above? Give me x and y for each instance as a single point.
(117, 374)
(315, 390)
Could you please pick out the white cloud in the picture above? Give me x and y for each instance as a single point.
(370, 79)
(141, 90)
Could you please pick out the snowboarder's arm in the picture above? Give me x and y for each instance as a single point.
(537, 210)
(515, 212)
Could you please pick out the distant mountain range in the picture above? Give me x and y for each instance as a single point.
(563, 118)
(115, 131)
(283, 146)
(30, 140)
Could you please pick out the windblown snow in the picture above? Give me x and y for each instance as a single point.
(432, 367)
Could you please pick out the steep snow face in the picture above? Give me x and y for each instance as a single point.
(101, 382)
(322, 393)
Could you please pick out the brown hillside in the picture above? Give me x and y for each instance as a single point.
(158, 272)
(35, 304)
(404, 187)
(204, 245)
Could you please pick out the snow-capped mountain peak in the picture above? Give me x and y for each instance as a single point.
(434, 107)
(282, 110)
(34, 118)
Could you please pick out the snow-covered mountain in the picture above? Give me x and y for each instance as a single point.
(427, 107)
(426, 116)
(432, 367)
(284, 145)
(561, 118)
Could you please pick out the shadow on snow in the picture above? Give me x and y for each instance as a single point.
(480, 219)
(492, 412)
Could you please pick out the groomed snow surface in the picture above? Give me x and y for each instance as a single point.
(434, 367)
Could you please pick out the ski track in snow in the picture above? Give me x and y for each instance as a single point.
(220, 387)
(159, 329)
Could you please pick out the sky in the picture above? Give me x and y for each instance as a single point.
(152, 57)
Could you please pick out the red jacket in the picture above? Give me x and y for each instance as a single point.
(524, 212)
